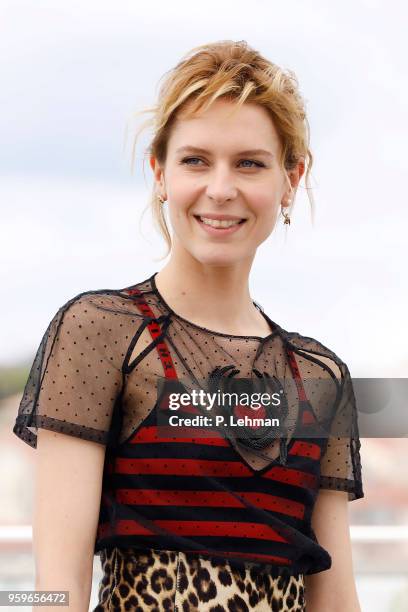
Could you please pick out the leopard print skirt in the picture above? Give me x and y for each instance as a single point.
(158, 580)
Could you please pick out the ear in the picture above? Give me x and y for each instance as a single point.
(296, 173)
(294, 176)
(158, 173)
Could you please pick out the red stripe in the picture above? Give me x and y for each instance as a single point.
(201, 467)
(149, 434)
(305, 449)
(155, 497)
(105, 531)
(203, 528)
(292, 477)
(283, 560)
(182, 467)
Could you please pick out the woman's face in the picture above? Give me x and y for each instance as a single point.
(225, 179)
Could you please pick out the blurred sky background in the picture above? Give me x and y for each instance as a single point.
(72, 73)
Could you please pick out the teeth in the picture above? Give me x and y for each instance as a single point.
(218, 223)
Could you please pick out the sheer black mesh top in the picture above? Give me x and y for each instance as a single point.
(247, 497)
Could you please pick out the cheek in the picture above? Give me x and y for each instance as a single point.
(182, 196)
(179, 213)
(266, 211)
(265, 207)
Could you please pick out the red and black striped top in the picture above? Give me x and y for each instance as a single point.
(96, 375)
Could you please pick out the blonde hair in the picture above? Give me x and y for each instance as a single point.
(232, 70)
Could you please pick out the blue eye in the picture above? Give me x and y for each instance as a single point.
(251, 161)
(187, 159)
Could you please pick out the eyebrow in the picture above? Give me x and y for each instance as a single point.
(189, 148)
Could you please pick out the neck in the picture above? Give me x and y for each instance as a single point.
(215, 297)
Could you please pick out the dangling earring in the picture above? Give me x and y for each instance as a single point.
(286, 216)
(160, 199)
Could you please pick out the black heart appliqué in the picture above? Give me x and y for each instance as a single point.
(223, 381)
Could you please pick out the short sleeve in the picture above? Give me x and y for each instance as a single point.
(75, 377)
(341, 462)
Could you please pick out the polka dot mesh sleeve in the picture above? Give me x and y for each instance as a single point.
(76, 376)
(341, 463)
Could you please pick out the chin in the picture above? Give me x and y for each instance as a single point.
(217, 259)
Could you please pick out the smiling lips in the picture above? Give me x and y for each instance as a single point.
(225, 224)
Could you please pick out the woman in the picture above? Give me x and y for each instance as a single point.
(208, 516)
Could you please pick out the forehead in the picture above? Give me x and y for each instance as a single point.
(247, 126)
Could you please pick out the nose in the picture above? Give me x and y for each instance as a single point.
(220, 185)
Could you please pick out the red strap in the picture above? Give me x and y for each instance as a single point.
(155, 331)
(298, 379)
